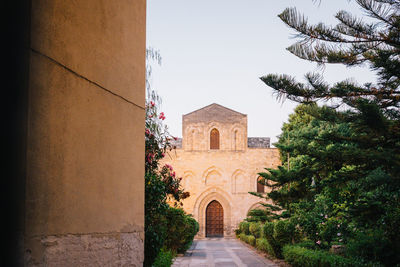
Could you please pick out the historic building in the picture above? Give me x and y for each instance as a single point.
(219, 166)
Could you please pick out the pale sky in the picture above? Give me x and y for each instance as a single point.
(214, 51)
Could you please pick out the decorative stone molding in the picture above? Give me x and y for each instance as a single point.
(201, 204)
(211, 172)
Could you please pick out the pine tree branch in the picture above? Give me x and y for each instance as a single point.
(377, 10)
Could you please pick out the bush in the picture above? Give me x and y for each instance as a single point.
(263, 245)
(155, 221)
(255, 229)
(372, 246)
(244, 227)
(307, 244)
(251, 240)
(283, 232)
(302, 257)
(278, 234)
(267, 230)
(164, 258)
(237, 232)
(243, 237)
(181, 230)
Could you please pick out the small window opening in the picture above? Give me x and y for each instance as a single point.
(260, 187)
(214, 139)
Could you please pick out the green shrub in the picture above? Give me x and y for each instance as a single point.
(307, 244)
(267, 230)
(263, 245)
(278, 234)
(251, 240)
(243, 237)
(244, 227)
(155, 221)
(255, 229)
(283, 232)
(164, 258)
(302, 257)
(181, 230)
(373, 247)
(237, 232)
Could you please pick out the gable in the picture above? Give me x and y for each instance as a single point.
(214, 112)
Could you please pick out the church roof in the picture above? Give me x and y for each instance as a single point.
(214, 112)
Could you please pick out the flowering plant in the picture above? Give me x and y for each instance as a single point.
(161, 182)
(157, 140)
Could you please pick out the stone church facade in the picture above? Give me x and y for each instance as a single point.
(219, 166)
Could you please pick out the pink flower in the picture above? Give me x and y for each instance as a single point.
(162, 154)
(152, 103)
(318, 242)
(162, 117)
(150, 157)
(323, 223)
(339, 234)
(173, 174)
(147, 131)
(168, 166)
(326, 216)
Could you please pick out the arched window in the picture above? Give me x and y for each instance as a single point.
(214, 139)
(260, 187)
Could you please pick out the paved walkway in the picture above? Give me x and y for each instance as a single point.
(220, 252)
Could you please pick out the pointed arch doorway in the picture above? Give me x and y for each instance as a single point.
(214, 219)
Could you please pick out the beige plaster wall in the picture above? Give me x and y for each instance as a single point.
(85, 162)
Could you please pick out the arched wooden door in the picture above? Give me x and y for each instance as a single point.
(214, 220)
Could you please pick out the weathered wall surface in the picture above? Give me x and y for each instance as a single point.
(226, 174)
(197, 125)
(85, 162)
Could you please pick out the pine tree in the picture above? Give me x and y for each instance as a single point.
(344, 165)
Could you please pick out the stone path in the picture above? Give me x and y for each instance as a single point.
(221, 252)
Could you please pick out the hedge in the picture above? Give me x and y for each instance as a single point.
(244, 228)
(181, 230)
(164, 258)
(263, 245)
(249, 239)
(255, 229)
(277, 234)
(303, 257)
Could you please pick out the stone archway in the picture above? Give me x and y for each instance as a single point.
(200, 209)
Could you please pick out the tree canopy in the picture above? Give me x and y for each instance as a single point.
(342, 183)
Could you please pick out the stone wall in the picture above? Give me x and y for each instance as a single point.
(226, 174)
(231, 125)
(85, 149)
